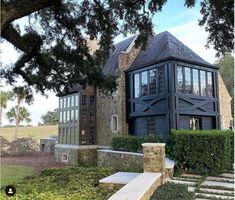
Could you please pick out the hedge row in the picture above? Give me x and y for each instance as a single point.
(133, 143)
(203, 151)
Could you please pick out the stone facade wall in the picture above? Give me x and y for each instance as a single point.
(124, 161)
(114, 104)
(225, 104)
(77, 155)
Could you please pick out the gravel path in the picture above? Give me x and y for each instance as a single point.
(38, 161)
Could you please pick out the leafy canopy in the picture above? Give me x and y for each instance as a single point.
(53, 45)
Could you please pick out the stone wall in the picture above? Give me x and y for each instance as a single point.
(225, 104)
(114, 104)
(123, 161)
(85, 155)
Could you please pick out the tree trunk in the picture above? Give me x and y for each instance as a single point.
(17, 117)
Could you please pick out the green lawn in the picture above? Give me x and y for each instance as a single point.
(13, 173)
(36, 132)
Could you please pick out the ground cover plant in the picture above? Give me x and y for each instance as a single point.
(202, 151)
(78, 183)
(13, 173)
(171, 191)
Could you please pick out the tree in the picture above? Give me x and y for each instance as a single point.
(18, 115)
(226, 69)
(54, 51)
(20, 94)
(4, 98)
(50, 118)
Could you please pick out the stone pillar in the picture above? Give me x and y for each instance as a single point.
(154, 157)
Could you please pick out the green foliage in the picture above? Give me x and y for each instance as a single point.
(4, 145)
(202, 151)
(23, 115)
(171, 191)
(50, 118)
(23, 146)
(75, 184)
(226, 69)
(133, 143)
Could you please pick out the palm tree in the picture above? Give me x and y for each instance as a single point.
(18, 114)
(20, 94)
(4, 98)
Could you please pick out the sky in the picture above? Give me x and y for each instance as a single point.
(175, 18)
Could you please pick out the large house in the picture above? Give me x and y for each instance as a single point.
(166, 86)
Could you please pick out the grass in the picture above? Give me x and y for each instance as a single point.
(77, 183)
(37, 132)
(13, 173)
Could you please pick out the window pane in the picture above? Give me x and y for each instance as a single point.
(84, 100)
(179, 79)
(114, 123)
(72, 101)
(76, 100)
(152, 81)
(72, 115)
(61, 116)
(76, 114)
(161, 79)
(92, 100)
(68, 116)
(68, 101)
(144, 83)
(203, 82)
(64, 118)
(137, 85)
(151, 125)
(195, 82)
(61, 103)
(210, 84)
(188, 80)
(64, 102)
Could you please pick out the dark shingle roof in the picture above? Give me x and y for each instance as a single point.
(164, 46)
(111, 67)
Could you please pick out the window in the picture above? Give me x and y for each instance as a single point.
(209, 84)
(65, 157)
(72, 116)
(195, 82)
(161, 79)
(137, 85)
(92, 100)
(76, 114)
(61, 103)
(194, 123)
(84, 116)
(180, 85)
(76, 100)
(203, 82)
(64, 102)
(68, 116)
(144, 83)
(151, 125)
(68, 101)
(72, 101)
(114, 123)
(188, 80)
(92, 116)
(152, 82)
(61, 117)
(84, 100)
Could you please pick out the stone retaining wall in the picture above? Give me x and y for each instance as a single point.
(123, 161)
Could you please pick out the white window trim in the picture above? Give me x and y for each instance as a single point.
(114, 131)
(65, 154)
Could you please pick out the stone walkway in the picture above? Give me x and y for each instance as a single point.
(211, 187)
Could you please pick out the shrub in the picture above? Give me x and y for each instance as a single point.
(133, 143)
(4, 144)
(202, 151)
(23, 146)
(171, 191)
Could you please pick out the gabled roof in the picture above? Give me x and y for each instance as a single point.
(165, 46)
(111, 67)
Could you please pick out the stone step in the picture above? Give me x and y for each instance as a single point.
(227, 175)
(215, 196)
(220, 179)
(141, 187)
(184, 179)
(181, 182)
(191, 176)
(121, 178)
(191, 189)
(218, 184)
(216, 191)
